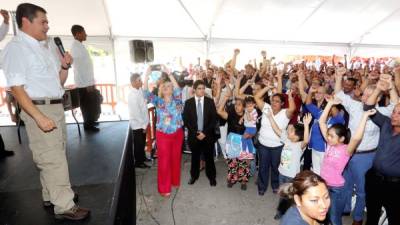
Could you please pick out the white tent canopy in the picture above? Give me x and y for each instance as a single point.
(328, 21)
(215, 27)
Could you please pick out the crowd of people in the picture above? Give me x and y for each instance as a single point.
(317, 134)
(339, 121)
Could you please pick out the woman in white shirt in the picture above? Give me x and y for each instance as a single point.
(270, 147)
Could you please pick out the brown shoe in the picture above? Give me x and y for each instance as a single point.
(357, 222)
(75, 213)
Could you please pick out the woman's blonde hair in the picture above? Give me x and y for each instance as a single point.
(161, 87)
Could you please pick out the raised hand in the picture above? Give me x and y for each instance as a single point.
(236, 51)
(307, 119)
(383, 85)
(264, 54)
(341, 71)
(289, 93)
(397, 69)
(312, 90)
(5, 15)
(332, 100)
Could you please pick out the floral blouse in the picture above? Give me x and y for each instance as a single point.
(169, 116)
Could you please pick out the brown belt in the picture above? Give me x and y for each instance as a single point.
(51, 101)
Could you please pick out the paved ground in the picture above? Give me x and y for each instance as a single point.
(201, 204)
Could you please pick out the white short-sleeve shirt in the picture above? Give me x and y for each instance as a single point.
(28, 62)
(267, 136)
(83, 65)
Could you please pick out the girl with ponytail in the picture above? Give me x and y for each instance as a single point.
(340, 147)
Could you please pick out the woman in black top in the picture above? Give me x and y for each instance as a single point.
(238, 170)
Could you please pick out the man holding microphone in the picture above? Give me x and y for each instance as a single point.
(36, 81)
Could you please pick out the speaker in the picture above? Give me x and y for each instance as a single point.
(141, 51)
(138, 51)
(149, 51)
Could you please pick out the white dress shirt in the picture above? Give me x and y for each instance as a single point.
(83, 65)
(138, 114)
(27, 62)
(355, 109)
(3, 31)
(202, 104)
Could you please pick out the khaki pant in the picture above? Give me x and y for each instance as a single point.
(48, 150)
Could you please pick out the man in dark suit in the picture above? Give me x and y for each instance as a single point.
(200, 117)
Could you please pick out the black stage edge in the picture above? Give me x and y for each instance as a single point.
(123, 202)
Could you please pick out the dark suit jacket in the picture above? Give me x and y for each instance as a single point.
(209, 117)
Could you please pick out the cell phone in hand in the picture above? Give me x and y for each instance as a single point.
(156, 67)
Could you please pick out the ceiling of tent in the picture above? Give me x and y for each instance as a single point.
(333, 21)
(63, 14)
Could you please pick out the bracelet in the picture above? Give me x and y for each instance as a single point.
(64, 68)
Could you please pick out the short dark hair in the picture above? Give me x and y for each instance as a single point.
(198, 83)
(75, 29)
(299, 131)
(134, 77)
(28, 11)
(249, 99)
(354, 80)
(280, 96)
(342, 131)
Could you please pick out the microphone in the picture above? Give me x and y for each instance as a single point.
(60, 47)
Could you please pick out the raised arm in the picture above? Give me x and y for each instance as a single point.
(146, 78)
(237, 86)
(245, 86)
(394, 97)
(221, 108)
(171, 77)
(234, 58)
(280, 83)
(302, 81)
(397, 77)
(259, 97)
(306, 138)
(324, 117)
(274, 126)
(292, 105)
(264, 63)
(358, 135)
(310, 94)
(380, 87)
(339, 72)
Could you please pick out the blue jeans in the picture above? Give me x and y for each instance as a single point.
(284, 203)
(338, 200)
(253, 167)
(247, 143)
(354, 174)
(284, 179)
(269, 158)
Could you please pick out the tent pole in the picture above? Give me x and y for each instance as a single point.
(112, 39)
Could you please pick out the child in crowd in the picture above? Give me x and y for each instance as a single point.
(250, 120)
(295, 140)
(338, 152)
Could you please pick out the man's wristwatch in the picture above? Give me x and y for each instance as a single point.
(64, 68)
